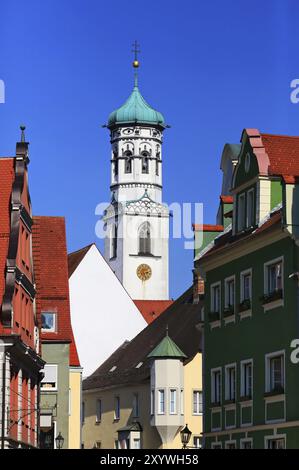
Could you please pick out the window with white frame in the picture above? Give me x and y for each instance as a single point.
(48, 322)
(246, 285)
(274, 277)
(161, 402)
(275, 372)
(216, 386)
(173, 401)
(250, 219)
(230, 293)
(49, 382)
(197, 402)
(231, 445)
(197, 442)
(246, 443)
(276, 443)
(215, 298)
(230, 382)
(241, 212)
(246, 378)
(135, 405)
(216, 445)
(182, 401)
(98, 411)
(116, 408)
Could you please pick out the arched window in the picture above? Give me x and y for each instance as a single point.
(145, 239)
(128, 162)
(145, 162)
(115, 163)
(113, 242)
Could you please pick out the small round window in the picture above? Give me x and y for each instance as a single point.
(247, 162)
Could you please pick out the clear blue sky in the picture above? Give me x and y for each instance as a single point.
(212, 67)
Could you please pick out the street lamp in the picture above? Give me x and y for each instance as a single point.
(59, 441)
(185, 436)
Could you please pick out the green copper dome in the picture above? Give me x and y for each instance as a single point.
(135, 110)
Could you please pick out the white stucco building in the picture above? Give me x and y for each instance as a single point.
(103, 314)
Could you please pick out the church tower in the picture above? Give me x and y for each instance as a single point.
(136, 221)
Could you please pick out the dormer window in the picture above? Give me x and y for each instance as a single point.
(241, 212)
(246, 210)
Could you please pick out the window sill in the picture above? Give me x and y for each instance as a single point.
(245, 314)
(245, 399)
(144, 255)
(273, 304)
(230, 319)
(216, 405)
(215, 324)
(116, 420)
(274, 393)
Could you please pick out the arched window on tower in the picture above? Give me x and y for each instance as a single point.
(145, 239)
(113, 242)
(157, 163)
(115, 163)
(145, 162)
(128, 162)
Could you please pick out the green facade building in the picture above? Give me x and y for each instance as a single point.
(251, 308)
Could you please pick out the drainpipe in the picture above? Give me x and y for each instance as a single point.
(3, 402)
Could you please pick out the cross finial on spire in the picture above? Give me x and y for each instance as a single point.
(22, 133)
(136, 51)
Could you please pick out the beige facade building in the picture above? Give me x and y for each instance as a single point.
(150, 387)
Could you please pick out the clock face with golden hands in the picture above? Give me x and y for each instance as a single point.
(144, 272)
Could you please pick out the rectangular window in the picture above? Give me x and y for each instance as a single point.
(98, 444)
(230, 383)
(230, 445)
(48, 322)
(275, 373)
(230, 293)
(117, 408)
(278, 443)
(197, 402)
(161, 402)
(98, 411)
(246, 443)
(246, 280)
(137, 444)
(49, 382)
(152, 402)
(135, 405)
(116, 444)
(246, 379)
(241, 212)
(250, 208)
(216, 386)
(182, 401)
(215, 298)
(173, 402)
(197, 442)
(273, 277)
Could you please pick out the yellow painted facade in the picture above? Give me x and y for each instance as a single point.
(103, 434)
(75, 383)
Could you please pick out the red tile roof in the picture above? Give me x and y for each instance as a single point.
(75, 258)
(283, 153)
(227, 240)
(51, 276)
(152, 309)
(207, 228)
(227, 199)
